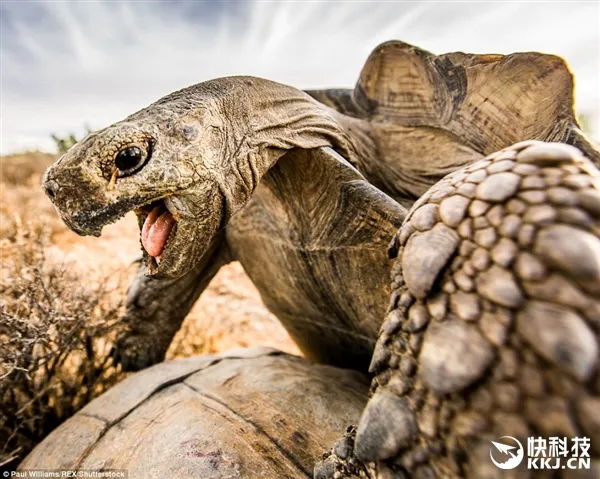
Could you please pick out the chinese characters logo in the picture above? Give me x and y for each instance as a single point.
(542, 453)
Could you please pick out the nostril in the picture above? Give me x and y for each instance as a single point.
(50, 187)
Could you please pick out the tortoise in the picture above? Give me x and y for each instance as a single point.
(245, 413)
(494, 284)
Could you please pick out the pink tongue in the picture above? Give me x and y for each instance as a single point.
(156, 229)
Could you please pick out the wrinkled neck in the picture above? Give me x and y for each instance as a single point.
(283, 120)
(301, 122)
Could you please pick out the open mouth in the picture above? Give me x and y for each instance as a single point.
(157, 224)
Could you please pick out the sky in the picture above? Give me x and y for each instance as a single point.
(68, 64)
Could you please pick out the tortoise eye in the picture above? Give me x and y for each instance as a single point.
(130, 160)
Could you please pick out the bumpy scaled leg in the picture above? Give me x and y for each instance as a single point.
(157, 307)
(493, 324)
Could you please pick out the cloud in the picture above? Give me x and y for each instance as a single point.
(66, 64)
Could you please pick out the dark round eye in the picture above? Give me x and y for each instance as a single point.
(129, 159)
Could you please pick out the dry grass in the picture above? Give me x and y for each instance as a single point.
(54, 333)
(58, 310)
(25, 169)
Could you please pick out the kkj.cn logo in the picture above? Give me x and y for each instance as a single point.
(542, 453)
(509, 452)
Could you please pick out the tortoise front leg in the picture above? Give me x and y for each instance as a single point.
(493, 325)
(157, 307)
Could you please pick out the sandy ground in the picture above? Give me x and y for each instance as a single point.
(229, 313)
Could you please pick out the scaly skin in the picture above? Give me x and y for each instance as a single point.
(493, 325)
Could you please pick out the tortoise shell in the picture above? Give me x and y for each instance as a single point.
(253, 413)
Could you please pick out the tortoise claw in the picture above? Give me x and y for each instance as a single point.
(494, 319)
(340, 462)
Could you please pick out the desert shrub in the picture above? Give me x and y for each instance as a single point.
(64, 143)
(55, 332)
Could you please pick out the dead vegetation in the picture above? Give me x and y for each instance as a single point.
(25, 169)
(60, 300)
(54, 342)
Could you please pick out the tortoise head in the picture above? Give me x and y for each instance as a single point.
(185, 164)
